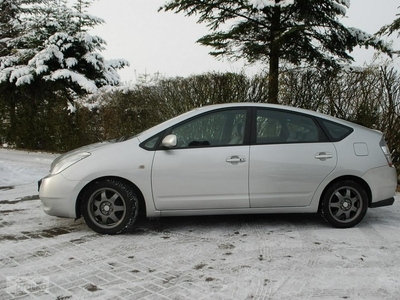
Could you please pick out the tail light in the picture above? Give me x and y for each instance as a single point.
(386, 151)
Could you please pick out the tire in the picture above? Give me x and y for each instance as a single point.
(344, 204)
(110, 207)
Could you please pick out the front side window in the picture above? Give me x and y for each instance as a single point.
(151, 143)
(274, 127)
(215, 129)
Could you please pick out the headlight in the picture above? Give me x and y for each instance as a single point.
(65, 162)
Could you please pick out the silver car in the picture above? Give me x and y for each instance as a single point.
(245, 158)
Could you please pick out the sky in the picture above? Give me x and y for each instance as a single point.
(165, 43)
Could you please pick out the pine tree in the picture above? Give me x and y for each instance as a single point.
(12, 27)
(292, 31)
(56, 46)
(48, 55)
(391, 28)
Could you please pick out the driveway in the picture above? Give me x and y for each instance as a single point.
(220, 257)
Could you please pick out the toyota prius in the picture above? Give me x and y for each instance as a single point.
(245, 158)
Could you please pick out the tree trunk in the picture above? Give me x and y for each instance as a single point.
(273, 79)
(12, 129)
(13, 120)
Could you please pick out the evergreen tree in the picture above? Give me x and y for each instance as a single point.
(11, 28)
(49, 57)
(293, 31)
(391, 28)
(55, 46)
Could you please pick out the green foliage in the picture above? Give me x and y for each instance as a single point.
(297, 32)
(47, 61)
(369, 96)
(391, 28)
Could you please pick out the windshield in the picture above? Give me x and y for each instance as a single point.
(154, 128)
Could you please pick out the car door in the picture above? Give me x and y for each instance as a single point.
(290, 157)
(208, 168)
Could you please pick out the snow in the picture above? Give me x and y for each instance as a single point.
(365, 38)
(7, 61)
(229, 257)
(51, 60)
(71, 61)
(21, 73)
(71, 108)
(94, 59)
(21, 170)
(339, 5)
(260, 4)
(340, 8)
(79, 79)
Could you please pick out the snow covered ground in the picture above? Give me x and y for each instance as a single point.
(20, 172)
(229, 257)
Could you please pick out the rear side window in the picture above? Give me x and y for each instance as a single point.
(336, 132)
(280, 127)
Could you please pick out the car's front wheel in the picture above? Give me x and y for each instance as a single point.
(110, 206)
(344, 204)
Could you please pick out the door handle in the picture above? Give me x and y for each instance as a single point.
(323, 156)
(236, 159)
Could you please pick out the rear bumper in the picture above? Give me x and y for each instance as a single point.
(381, 203)
(382, 182)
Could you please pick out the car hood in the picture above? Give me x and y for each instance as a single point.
(88, 148)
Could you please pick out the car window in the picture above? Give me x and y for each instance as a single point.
(336, 131)
(216, 129)
(151, 143)
(274, 126)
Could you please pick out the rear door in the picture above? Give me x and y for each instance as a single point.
(290, 157)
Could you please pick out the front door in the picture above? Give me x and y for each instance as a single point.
(208, 169)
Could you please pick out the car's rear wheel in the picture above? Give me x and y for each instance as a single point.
(110, 207)
(344, 204)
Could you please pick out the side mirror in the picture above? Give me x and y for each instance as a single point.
(170, 141)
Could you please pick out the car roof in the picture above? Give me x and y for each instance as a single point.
(203, 109)
(281, 107)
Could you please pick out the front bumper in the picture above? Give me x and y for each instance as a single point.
(59, 195)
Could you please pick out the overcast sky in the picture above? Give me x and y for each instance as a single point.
(165, 42)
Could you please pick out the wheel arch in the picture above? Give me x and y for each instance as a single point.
(139, 194)
(356, 179)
